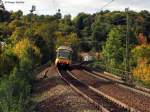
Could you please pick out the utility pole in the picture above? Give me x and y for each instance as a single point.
(31, 13)
(127, 46)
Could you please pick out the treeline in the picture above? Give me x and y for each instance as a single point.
(105, 32)
(28, 41)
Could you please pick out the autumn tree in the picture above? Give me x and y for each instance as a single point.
(142, 70)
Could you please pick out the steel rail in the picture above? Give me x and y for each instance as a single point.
(130, 109)
(102, 109)
(118, 82)
(107, 100)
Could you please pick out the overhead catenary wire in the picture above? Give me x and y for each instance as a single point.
(106, 5)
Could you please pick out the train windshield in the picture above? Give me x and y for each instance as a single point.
(64, 54)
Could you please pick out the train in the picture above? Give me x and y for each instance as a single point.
(63, 57)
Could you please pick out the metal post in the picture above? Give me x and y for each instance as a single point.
(31, 12)
(127, 45)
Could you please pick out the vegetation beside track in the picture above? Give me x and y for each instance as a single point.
(102, 67)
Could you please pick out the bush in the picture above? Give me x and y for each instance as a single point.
(14, 92)
(142, 72)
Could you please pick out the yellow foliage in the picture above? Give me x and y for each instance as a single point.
(21, 49)
(142, 55)
(141, 52)
(142, 71)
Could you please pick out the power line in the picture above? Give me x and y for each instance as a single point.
(107, 4)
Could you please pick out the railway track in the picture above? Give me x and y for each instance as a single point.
(123, 94)
(118, 79)
(119, 82)
(104, 102)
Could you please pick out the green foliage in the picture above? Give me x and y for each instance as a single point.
(141, 52)
(14, 24)
(45, 32)
(27, 53)
(66, 25)
(4, 16)
(5, 32)
(81, 21)
(99, 34)
(7, 60)
(113, 49)
(15, 88)
(68, 40)
(16, 15)
(14, 92)
(118, 18)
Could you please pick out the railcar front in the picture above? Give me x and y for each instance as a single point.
(63, 57)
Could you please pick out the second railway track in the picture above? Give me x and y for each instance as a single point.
(125, 95)
(104, 103)
(118, 82)
(117, 79)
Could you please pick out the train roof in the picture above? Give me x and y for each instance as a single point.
(65, 47)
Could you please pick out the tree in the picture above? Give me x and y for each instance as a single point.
(141, 52)
(118, 18)
(46, 31)
(113, 49)
(142, 69)
(16, 15)
(79, 21)
(26, 52)
(5, 32)
(66, 25)
(100, 29)
(17, 35)
(7, 60)
(15, 24)
(4, 16)
(83, 23)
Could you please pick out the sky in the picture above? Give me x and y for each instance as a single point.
(73, 7)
